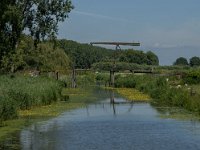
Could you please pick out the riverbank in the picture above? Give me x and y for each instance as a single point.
(104, 120)
(77, 98)
(170, 91)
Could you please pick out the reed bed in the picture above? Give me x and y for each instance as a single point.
(22, 93)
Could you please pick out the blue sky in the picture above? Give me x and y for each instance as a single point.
(169, 28)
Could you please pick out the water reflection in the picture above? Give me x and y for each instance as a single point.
(95, 127)
(113, 102)
(112, 124)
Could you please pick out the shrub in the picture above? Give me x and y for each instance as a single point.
(7, 109)
(192, 77)
(128, 82)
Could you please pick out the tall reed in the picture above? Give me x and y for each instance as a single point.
(19, 92)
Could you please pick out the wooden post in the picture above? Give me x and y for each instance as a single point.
(112, 101)
(112, 97)
(73, 78)
(112, 78)
(57, 75)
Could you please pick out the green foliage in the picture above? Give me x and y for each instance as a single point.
(102, 77)
(181, 61)
(50, 59)
(40, 18)
(45, 57)
(24, 92)
(163, 94)
(152, 59)
(10, 26)
(7, 108)
(85, 80)
(138, 57)
(119, 66)
(84, 55)
(177, 69)
(192, 77)
(195, 61)
(127, 81)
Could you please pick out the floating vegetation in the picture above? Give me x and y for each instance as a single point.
(133, 94)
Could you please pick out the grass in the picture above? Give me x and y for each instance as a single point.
(196, 88)
(49, 111)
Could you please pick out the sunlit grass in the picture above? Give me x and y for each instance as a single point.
(52, 110)
(133, 94)
(130, 94)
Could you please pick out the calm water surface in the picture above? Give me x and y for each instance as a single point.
(105, 126)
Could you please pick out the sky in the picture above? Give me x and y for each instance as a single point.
(169, 28)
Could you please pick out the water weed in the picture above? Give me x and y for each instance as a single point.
(133, 94)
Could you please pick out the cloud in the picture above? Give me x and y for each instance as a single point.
(101, 16)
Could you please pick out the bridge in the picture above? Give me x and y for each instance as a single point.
(117, 44)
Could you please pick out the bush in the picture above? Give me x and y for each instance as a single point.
(192, 77)
(7, 109)
(128, 81)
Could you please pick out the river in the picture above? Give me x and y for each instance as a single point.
(106, 126)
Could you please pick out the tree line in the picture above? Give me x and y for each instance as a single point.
(85, 55)
(28, 31)
(181, 61)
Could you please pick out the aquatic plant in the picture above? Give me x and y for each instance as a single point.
(133, 94)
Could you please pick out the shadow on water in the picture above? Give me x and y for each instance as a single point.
(111, 123)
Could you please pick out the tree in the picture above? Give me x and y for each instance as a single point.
(51, 59)
(152, 58)
(84, 55)
(39, 18)
(195, 61)
(181, 61)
